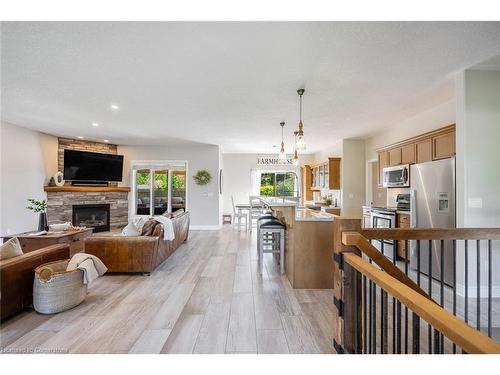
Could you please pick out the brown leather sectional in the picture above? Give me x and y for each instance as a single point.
(17, 274)
(142, 253)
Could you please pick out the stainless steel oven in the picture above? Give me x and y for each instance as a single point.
(384, 218)
(398, 176)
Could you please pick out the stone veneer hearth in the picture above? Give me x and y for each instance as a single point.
(60, 205)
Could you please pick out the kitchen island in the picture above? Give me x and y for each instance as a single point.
(309, 244)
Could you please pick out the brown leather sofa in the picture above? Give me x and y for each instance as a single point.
(17, 274)
(141, 253)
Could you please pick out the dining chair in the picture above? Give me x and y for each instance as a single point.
(239, 214)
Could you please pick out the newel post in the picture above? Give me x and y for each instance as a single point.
(347, 322)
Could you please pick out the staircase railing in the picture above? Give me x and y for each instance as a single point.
(435, 319)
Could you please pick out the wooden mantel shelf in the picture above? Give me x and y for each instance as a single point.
(107, 189)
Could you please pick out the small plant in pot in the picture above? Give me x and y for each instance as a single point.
(327, 200)
(40, 207)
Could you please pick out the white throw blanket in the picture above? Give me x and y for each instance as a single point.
(168, 227)
(91, 266)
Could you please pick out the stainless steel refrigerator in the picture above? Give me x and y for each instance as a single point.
(432, 205)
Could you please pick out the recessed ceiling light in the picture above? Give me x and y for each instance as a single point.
(114, 107)
(106, 141)
(80, 137)
(95, 124)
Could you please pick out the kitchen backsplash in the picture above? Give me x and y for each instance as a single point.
(392, 194)
(318, 195)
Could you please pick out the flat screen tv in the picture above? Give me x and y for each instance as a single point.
(92, 166)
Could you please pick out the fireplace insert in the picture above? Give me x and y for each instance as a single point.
(92, 216)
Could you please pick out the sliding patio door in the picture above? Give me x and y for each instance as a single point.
(159, 188)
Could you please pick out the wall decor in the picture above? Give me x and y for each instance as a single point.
(202, 177)
(58, 177)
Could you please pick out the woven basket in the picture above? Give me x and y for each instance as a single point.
(55, 289)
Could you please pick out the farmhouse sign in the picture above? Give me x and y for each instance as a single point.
(269, 160)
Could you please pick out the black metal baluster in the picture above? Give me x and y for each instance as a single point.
(489, 288)
(441, 292)
(398, 327)
(371, 314)
(394, 310)
(356, 318)
(415, 333)
(383, 325)
(374, 319)
(406, 307)
(478, 286)
(454, 285)
(466, 308)
(429, 290)
(365, 328)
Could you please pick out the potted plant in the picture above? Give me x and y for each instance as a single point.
(40, 207)
(327, 200)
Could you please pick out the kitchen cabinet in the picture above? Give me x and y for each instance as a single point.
(326, 175)
(443, 146)
(408, 154)
(424, 151)
(402, 221)
(395, 156)
(367, 217)
(307, 179)
(383, 161)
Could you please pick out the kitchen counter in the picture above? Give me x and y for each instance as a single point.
(306, 214)
(277, 202)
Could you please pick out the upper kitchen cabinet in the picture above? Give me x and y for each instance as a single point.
(424, 151)
(395, 156)
(443, 146)
(435, 145)
(383, 161)
(408, 154)
(326, 175)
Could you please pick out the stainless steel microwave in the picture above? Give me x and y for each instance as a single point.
(397, 176)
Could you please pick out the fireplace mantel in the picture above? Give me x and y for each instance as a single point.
(69, 188)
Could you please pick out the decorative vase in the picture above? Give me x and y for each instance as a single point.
(42, 222)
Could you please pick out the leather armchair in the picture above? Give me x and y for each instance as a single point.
(141, 253)
(17, 274)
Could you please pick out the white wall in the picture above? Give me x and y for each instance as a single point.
(203, 201)
(431, 119)
(237, 175)
(28, 160)
(353, 178)
(478, 164)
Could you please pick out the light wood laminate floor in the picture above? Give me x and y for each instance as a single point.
(208, 297)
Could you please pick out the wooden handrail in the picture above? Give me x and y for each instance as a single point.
(356, 239)
(432, 234)
(466, 337)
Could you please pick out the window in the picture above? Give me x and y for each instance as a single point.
(159, 188)
(279, 184)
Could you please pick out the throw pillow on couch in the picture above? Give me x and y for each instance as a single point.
(10, 249)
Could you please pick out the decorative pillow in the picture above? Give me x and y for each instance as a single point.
(149, 226)
(157, 230)
(179, 212)
(10, 249)
(130, 230)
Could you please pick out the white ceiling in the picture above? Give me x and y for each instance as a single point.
(231, 83)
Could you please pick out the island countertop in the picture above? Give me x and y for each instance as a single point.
(306, 214)
(277, 202)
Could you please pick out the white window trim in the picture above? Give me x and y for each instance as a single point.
(154, 165)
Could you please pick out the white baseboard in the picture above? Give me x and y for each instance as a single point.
(205, 227)
(495, 291)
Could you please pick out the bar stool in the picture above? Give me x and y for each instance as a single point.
(271, 234)
(266, 215)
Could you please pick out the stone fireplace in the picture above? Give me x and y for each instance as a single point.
(62, 201)
(92, 216)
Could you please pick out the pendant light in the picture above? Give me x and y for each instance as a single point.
(282, 155)
(295, 154)
(300, 143)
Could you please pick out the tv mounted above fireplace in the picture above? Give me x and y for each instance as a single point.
(83, 167)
